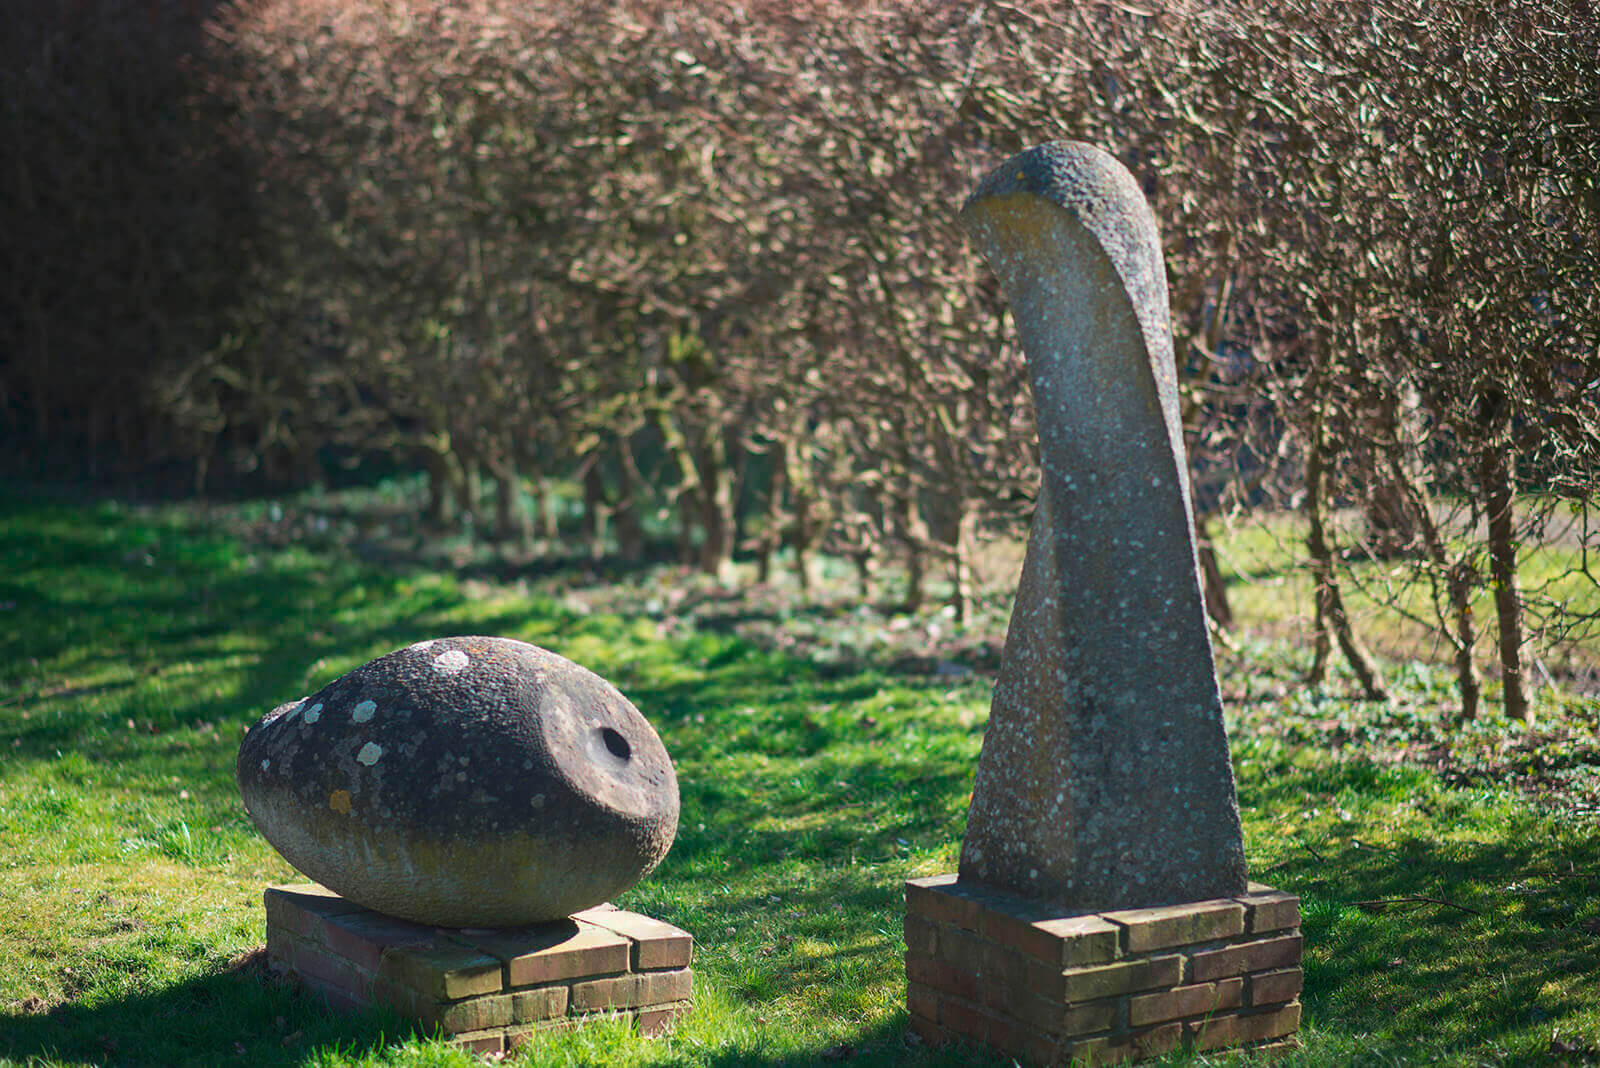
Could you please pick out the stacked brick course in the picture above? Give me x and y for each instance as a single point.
(489, 990)
(1005, 972)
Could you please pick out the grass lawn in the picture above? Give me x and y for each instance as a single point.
(1450, 876)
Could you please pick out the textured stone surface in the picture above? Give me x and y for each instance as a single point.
(464, 782)
(1104, 780)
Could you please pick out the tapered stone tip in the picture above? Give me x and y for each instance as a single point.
(1100, 194)
(1070, 173)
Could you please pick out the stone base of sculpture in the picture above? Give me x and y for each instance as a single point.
(488, 990)
(989, 968)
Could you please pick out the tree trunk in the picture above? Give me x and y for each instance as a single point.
(510, 518)
(440, 489)
(912, 533)
(596, 508)
(1460, 584)
(1460, 629)
(1330, 611)
(772, 524)
(716, 505)
(1212, 585)
(964, 535)
(629, 527)
(1495, 470)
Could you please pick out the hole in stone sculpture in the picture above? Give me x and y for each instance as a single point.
(616, 744)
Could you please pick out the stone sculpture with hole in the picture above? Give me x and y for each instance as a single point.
(466, 808)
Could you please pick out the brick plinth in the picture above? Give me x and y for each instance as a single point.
(1051, 989)
(488, 990)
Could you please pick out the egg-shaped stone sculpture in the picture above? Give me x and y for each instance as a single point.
(464, 782)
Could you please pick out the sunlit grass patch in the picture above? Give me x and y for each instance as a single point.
(1450, 908)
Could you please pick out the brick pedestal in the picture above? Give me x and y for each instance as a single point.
(486, 989)
(1052, 989)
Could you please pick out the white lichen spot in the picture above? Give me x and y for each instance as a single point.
(538, 801)
(265, 764)
(369, 754)
(314, 713)
(419, 646)
(450, 663)
(364, 711)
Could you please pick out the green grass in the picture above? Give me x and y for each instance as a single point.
(1451, 879)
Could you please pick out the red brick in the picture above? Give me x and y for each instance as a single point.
(300, 908)
(1182, 1001)
(964, 950)
(922, 936)
(336, 998)
(941, 976)
(361, 937)
(443, 971)
(520, 1036)
(1149, 1042)
(1178, 925)
(927, 1030)
(1124, 977)
(1269, 988)
(540, 1003)
(552, 952)
(1080, 940)
(1072, 1021)
(1269, 909)
(331, 972)
(482, 1041)
(937, 898)
(631, 991)
(1259, 956)
(654, 1022)
(1136, 1046)
(965, 1018)
(656, 945)
(473, 1014)
(922, 1001)
(1239, 1030)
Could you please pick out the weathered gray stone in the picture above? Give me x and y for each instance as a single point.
(464, 782)
(1104, 780)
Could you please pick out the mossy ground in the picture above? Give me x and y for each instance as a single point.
(1450, 875)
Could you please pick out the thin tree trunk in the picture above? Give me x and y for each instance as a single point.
(596, 508)
(912, 533)
(1495, 469)
(716, 505)
(510, 518)
(440, 492)
(1330, 610)
(965, 534)
(772, 525)
(1458, 574)
(626, 513)
(1212, 584)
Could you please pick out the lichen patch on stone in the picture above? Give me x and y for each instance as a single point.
(314, 713)
(451, 663)
(370, 754)
(364, 711)
(339, 801)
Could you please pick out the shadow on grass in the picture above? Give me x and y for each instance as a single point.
(230, 1017)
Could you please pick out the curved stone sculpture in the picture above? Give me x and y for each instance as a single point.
(1104, 780)
(464, 782)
